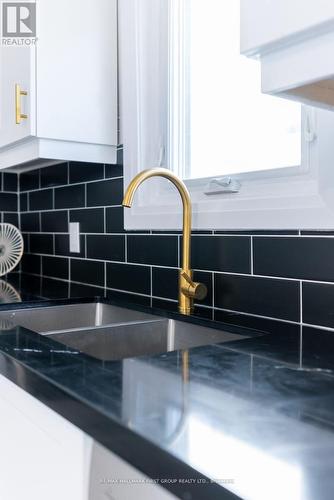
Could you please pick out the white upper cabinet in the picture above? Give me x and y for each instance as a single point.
(295, 43)
(58, 95)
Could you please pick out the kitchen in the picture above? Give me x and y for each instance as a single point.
(166, 243)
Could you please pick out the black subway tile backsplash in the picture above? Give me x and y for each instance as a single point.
(30, 180)
(91, 219)
(166, 305)
(26, 242)
(11, 218)
(318, 300)
(54, 222)
(87, 271)
(31, 263)
(130, 278)
(23, 202)
(154, 250)
(257, 274)
(113, 171)
(106, 247)
(219, 253)
(10, 182)
(129, 297)
(81, 172)
(30, 222)
(54, 289)
(262, 296)
(70, 196)
(302, 258)
(165, 282)
(41, 200)
(115, 220)
(55, 267)
(56, 175)
(104, 193)
(78, 291)
(41, 243)
(32, 283)
(8, 202)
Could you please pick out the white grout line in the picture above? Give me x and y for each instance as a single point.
(90, 233)
(219, 273)
(126, 248)
(179, 251)
(301, 301)
(241, 313)
(151, 281)
(68, 173)
(257, 315)
(105, 275)
(301, 347)
(71, 208)
(319, 327)
(251, 373)
(252, 255)
(70, 185)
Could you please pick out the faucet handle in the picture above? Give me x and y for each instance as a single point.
(195, 290)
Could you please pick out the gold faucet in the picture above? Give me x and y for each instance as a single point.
(188, 290)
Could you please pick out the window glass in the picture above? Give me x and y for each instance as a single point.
(233, 127)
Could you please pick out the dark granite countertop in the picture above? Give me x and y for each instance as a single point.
(253, 420)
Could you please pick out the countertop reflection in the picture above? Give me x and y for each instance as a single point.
(253, 417)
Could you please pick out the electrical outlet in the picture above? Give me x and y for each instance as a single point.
(74, 230)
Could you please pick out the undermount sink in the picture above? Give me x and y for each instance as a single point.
(109, 332)
(72, 317)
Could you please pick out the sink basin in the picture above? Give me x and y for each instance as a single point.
(71, 317)
(108, 332)
(145, 338)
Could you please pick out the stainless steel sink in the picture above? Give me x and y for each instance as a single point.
(72, 317)
(109, 332)
(131, 340)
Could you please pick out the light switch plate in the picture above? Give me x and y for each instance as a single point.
(74, 230)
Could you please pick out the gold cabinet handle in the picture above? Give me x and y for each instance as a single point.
(18, 93)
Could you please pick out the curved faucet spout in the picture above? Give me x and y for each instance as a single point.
(186, 201)
(188, 290)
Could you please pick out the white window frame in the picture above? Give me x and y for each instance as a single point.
(289, 198)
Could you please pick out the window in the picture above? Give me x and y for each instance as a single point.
(190, 103)
(231, 126)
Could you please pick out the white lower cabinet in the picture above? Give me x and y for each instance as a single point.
(43, 456)
(113, 479)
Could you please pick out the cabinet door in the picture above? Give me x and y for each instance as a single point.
(112, 478)
(77, 71)
(265, 23)
(16, 65)
(43, 457)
